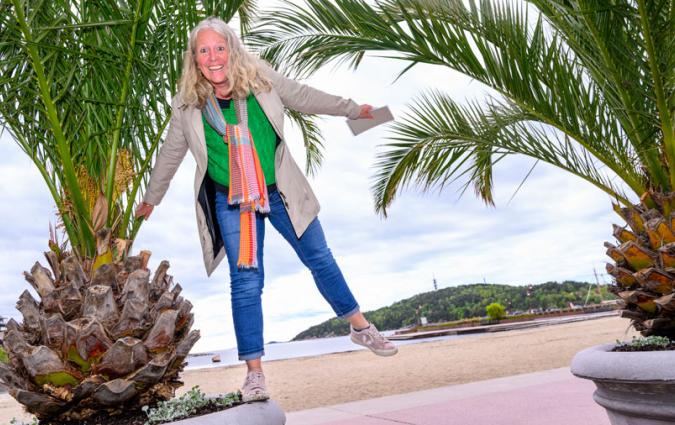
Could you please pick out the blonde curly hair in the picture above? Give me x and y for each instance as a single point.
(243, 73)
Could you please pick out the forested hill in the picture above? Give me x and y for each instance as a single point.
(466, 301)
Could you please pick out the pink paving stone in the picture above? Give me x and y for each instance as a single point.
(364, 420)
(565, 402)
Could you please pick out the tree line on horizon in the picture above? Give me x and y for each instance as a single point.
(467, 301)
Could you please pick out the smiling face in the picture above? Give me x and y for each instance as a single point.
(211, 56)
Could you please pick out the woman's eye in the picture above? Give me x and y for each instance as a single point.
(221, 48)
(202, 50)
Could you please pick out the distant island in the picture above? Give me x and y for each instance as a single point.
(469, 301)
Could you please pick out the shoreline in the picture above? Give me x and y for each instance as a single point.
(309, 382)
(297, 350)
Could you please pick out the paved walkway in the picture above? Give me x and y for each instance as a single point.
(552, 397)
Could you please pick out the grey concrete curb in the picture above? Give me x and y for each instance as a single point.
(259, 413)
(600, 363)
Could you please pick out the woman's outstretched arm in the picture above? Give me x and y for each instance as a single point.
(303, 98)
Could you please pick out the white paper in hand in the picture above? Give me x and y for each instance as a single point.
(380, 116)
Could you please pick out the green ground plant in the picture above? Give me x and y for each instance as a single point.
(640, 343)
(187, 405)
(15, 421)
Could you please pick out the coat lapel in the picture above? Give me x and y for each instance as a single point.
(199, 142)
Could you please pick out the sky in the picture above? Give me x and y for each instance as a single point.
(552, 230)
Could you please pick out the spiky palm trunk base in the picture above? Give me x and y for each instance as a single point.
(644, 269)
(108, 340)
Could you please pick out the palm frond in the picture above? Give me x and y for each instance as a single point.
(227, 10)
(247, 10)
(441, 142)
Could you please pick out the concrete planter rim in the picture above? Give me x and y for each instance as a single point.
(600, 363)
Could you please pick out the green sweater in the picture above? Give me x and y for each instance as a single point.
(264, 139)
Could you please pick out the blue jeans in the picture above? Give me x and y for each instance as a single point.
(246, 284)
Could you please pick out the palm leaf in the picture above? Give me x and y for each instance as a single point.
(582, 76)
(440, 142)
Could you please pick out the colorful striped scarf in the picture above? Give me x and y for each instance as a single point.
(247, 181)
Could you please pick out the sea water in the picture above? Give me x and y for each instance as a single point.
(293, 349)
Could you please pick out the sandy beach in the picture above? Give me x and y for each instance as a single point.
(305, 383)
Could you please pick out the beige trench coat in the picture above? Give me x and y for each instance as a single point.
(186, 131)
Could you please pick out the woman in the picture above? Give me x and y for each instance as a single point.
(229, 113)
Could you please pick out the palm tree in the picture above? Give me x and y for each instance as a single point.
(587, 86)
(85, 90)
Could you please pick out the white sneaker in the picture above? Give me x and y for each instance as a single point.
(371, 338)
(254, 388)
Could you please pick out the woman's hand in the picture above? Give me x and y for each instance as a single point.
(144, 210)
(365, 111)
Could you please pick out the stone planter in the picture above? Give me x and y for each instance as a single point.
(636, 388)
(259, 413)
